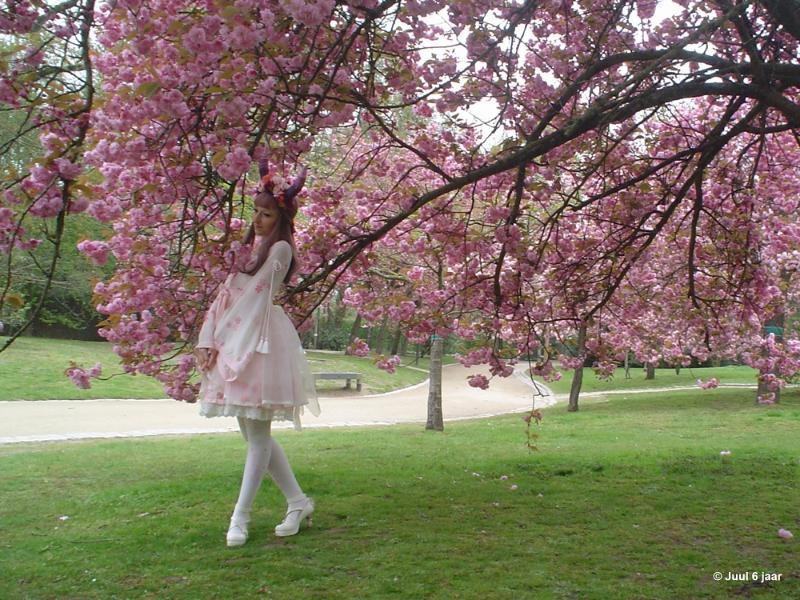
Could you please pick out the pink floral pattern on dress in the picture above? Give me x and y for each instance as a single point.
(244, 382)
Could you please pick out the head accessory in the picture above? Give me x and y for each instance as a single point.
(286, 198)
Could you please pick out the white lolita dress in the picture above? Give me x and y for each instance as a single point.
(261, 371)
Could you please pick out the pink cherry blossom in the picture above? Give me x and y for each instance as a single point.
(95, 250)
(478, 381)
(358, 348)
(712, 383)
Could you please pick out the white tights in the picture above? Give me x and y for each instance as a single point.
(264, 455)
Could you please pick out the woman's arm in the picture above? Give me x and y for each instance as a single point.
(205, 353)
(206, 337)
(272, 273)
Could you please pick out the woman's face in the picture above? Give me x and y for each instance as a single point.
(265, 217)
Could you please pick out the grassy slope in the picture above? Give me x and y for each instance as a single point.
(33, 369)
(664, 378)
(629, 498)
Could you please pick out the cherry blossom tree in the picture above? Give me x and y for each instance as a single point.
(575, 155)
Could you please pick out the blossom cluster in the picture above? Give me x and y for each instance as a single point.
(81, 377)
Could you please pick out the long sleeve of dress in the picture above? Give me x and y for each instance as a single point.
(214, 312)
(242, 327)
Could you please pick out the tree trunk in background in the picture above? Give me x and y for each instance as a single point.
(763, 389)
(435, 420)
(650, 369)
(774, 325)
(577, 379)
(378, 345)
(339, 311)
(627, 365)
(398, 336)
(354, 329)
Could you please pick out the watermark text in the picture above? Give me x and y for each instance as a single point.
(748, 576)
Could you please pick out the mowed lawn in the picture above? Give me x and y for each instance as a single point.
(665, 378)
(33, 369)
(628, 498)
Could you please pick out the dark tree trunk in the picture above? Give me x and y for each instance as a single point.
(650, 370)
(763, 389)
(339, 311)
(575, 390)
(398, 336)
(435, 420)
(378, 346)
(577, 379)
(354, 329)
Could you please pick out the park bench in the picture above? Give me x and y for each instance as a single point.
(348, 377)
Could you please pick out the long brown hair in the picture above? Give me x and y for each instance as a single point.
(283, 230)
(285, 203)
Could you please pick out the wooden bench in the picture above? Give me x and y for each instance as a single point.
(348, 377)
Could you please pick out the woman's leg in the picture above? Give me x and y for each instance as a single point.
(300, 506)
(283, 476)
(259, 447)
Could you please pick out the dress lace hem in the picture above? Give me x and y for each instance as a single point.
(259, 413)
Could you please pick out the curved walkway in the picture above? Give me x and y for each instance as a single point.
(56, 420)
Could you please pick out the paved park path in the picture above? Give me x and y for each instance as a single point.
(55, 420)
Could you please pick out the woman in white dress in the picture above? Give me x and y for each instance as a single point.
(252, 363)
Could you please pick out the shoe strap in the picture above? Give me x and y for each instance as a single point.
(240, 522)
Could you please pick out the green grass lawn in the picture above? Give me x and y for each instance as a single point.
(33, 369)
(628, 498)
(664, 378)
(374, 381)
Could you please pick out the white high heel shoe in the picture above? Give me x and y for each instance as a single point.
(237, 532)
(293, 518)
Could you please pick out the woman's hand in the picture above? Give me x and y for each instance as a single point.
(205, 358)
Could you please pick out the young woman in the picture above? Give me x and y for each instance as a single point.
(253, 366)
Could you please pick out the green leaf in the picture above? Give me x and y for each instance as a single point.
(148, 89)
